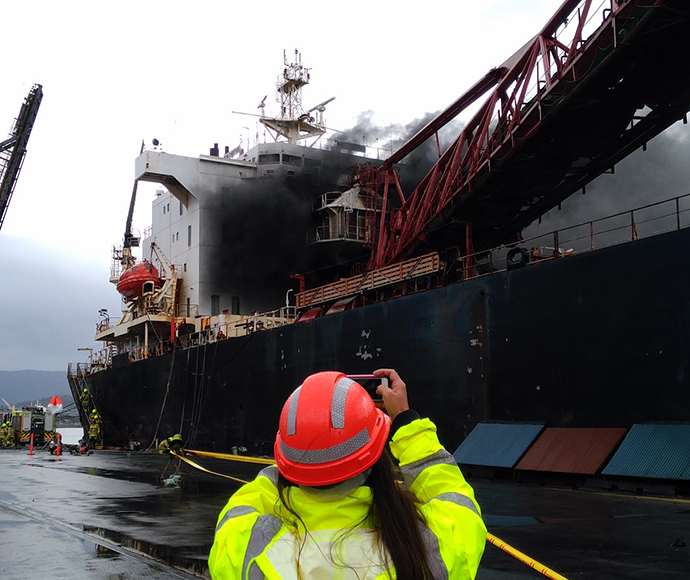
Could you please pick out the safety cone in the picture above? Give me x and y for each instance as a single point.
(31, 447)
(58, 447)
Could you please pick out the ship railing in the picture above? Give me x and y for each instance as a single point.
(354, 232)
(628, 226)
(238, 326)
(186, 310)
(103, 325)
(422, 266)
(643, 222)
(262, 321)
(324, 199)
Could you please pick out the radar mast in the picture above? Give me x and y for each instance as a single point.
(294, 123)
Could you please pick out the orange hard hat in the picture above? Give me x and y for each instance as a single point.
(329, 431)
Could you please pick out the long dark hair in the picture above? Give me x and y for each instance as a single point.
(394, 515)
(395, 512)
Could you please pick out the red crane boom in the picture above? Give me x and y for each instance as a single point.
(583, 94)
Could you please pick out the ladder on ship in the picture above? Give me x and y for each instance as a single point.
(76, 377)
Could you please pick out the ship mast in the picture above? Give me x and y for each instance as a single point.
(293, 122)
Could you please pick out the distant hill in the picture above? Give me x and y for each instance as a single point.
(21, 386)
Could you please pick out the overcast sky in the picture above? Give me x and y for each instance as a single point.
(116, 73)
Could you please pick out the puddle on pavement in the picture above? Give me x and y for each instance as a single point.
(189, 558)
(99, 551)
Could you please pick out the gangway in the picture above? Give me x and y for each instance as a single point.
(13, 149)
(600, 80)
(76, 377)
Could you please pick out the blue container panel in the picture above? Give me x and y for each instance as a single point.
(654, 451)
(496, 444)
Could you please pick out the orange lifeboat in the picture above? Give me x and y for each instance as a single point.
(131, 284)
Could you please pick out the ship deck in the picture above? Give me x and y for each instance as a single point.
(104, 516)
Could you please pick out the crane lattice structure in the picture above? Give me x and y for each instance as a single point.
(601, 79)
(13, 149)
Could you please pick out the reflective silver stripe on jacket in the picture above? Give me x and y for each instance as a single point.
(264, 530)
(436, 564)
(270, 472)
(237, 511)
(412, 470)
(330, 453)
(458, 499)
(342, 387)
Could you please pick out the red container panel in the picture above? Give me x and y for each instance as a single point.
(572, 450)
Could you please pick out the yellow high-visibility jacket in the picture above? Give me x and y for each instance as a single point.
(256, 537)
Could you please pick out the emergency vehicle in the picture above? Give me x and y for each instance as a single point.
(33, 419)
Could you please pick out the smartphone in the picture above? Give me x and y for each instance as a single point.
(370, 384)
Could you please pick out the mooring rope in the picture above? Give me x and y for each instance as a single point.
(199, 467)
(229, 457)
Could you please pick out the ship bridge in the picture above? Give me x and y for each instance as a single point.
(597, 82)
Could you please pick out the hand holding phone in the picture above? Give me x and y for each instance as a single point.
(370, 383)
(392, 398)
(395, 396)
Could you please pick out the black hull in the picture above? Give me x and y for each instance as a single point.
(594, 340)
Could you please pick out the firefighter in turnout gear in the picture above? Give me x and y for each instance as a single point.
(175, 443)
(85, 399)
(7, 435)
(94, 429)
(335, 504)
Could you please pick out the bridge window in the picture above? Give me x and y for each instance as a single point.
(269, 158)
(292, 159)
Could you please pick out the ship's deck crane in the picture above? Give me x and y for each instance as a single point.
(589, 89)
(130, 240)
(13, 149)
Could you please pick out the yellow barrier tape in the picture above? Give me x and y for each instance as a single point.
(197, 466)
(243, 458)
(524, 558)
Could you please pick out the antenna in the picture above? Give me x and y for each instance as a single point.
(262, 105)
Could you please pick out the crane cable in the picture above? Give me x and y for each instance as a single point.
(524, 558)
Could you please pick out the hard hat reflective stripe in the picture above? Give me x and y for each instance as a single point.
(292, 412)
(342, 387)
(311, 456)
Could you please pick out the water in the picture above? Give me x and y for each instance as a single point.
(70, 435)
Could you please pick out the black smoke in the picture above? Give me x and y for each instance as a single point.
(385, 140)
(645, 177)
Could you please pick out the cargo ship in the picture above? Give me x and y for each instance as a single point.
(304, 254)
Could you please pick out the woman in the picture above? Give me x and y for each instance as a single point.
(336, 507)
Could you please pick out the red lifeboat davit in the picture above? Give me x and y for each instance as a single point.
(135, 280)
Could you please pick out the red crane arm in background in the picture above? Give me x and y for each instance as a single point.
(563, 109)
(13, 149)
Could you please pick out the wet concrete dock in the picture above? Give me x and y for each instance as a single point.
(104, 516)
